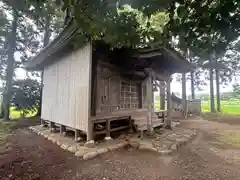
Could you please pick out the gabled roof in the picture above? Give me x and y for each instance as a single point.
(162, 57)
(166, 58)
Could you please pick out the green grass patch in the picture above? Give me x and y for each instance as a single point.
(15, 114)
(230, 138)
(229, 107)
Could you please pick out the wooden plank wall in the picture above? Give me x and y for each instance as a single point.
(66, 90)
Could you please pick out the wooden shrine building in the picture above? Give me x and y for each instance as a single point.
(94, 85)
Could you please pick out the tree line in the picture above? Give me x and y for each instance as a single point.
(205, 32)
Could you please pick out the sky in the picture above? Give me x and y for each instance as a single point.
(177, 87)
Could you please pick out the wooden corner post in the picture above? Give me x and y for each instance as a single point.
(150, 100)
(184, 96)
(169, 104)
(90, 128)
(162, 95)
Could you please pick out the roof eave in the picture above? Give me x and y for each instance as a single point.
(60, 41)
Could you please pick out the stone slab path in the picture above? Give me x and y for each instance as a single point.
(164, 142)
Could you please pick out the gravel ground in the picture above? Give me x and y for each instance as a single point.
(35, 158)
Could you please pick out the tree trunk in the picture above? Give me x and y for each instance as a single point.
(218, 91)
(10, 65)
(150, 102)
(192, 85)
(45, 43)
(192, 80)
(212, 104)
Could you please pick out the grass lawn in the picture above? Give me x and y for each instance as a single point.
(15, 114)
(230, 107)
(231, 138)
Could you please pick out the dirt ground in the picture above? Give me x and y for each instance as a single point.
(35, 158)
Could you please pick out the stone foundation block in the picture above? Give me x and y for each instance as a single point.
(90, 155)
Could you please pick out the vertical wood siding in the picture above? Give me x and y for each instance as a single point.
(67, 90)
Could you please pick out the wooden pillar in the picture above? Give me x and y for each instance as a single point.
(169, 105)
(90, 128)
(108, 128)
(43, 123)
(52, 126)
(184, 96)
(150, 101)
(162, 95)
(62, 129)
(77, 135)
(130, 125)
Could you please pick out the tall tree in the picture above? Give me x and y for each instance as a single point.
(50, 25)
(26, 95)
(218, 96)
(192, 83)
(21, 41)
(211, 79)
(46, 39)
(10, 64)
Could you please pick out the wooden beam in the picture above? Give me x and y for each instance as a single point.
(169, 105)
(184, 95)
(148, 55)
(161, 77)
(111, 130)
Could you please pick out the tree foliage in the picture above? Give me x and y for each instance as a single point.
(236, 89)
(26, 95)
(194, 21)
(21, 37)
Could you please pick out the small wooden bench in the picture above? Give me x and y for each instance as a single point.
(107, 120)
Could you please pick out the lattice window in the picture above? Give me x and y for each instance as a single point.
(129, 95)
